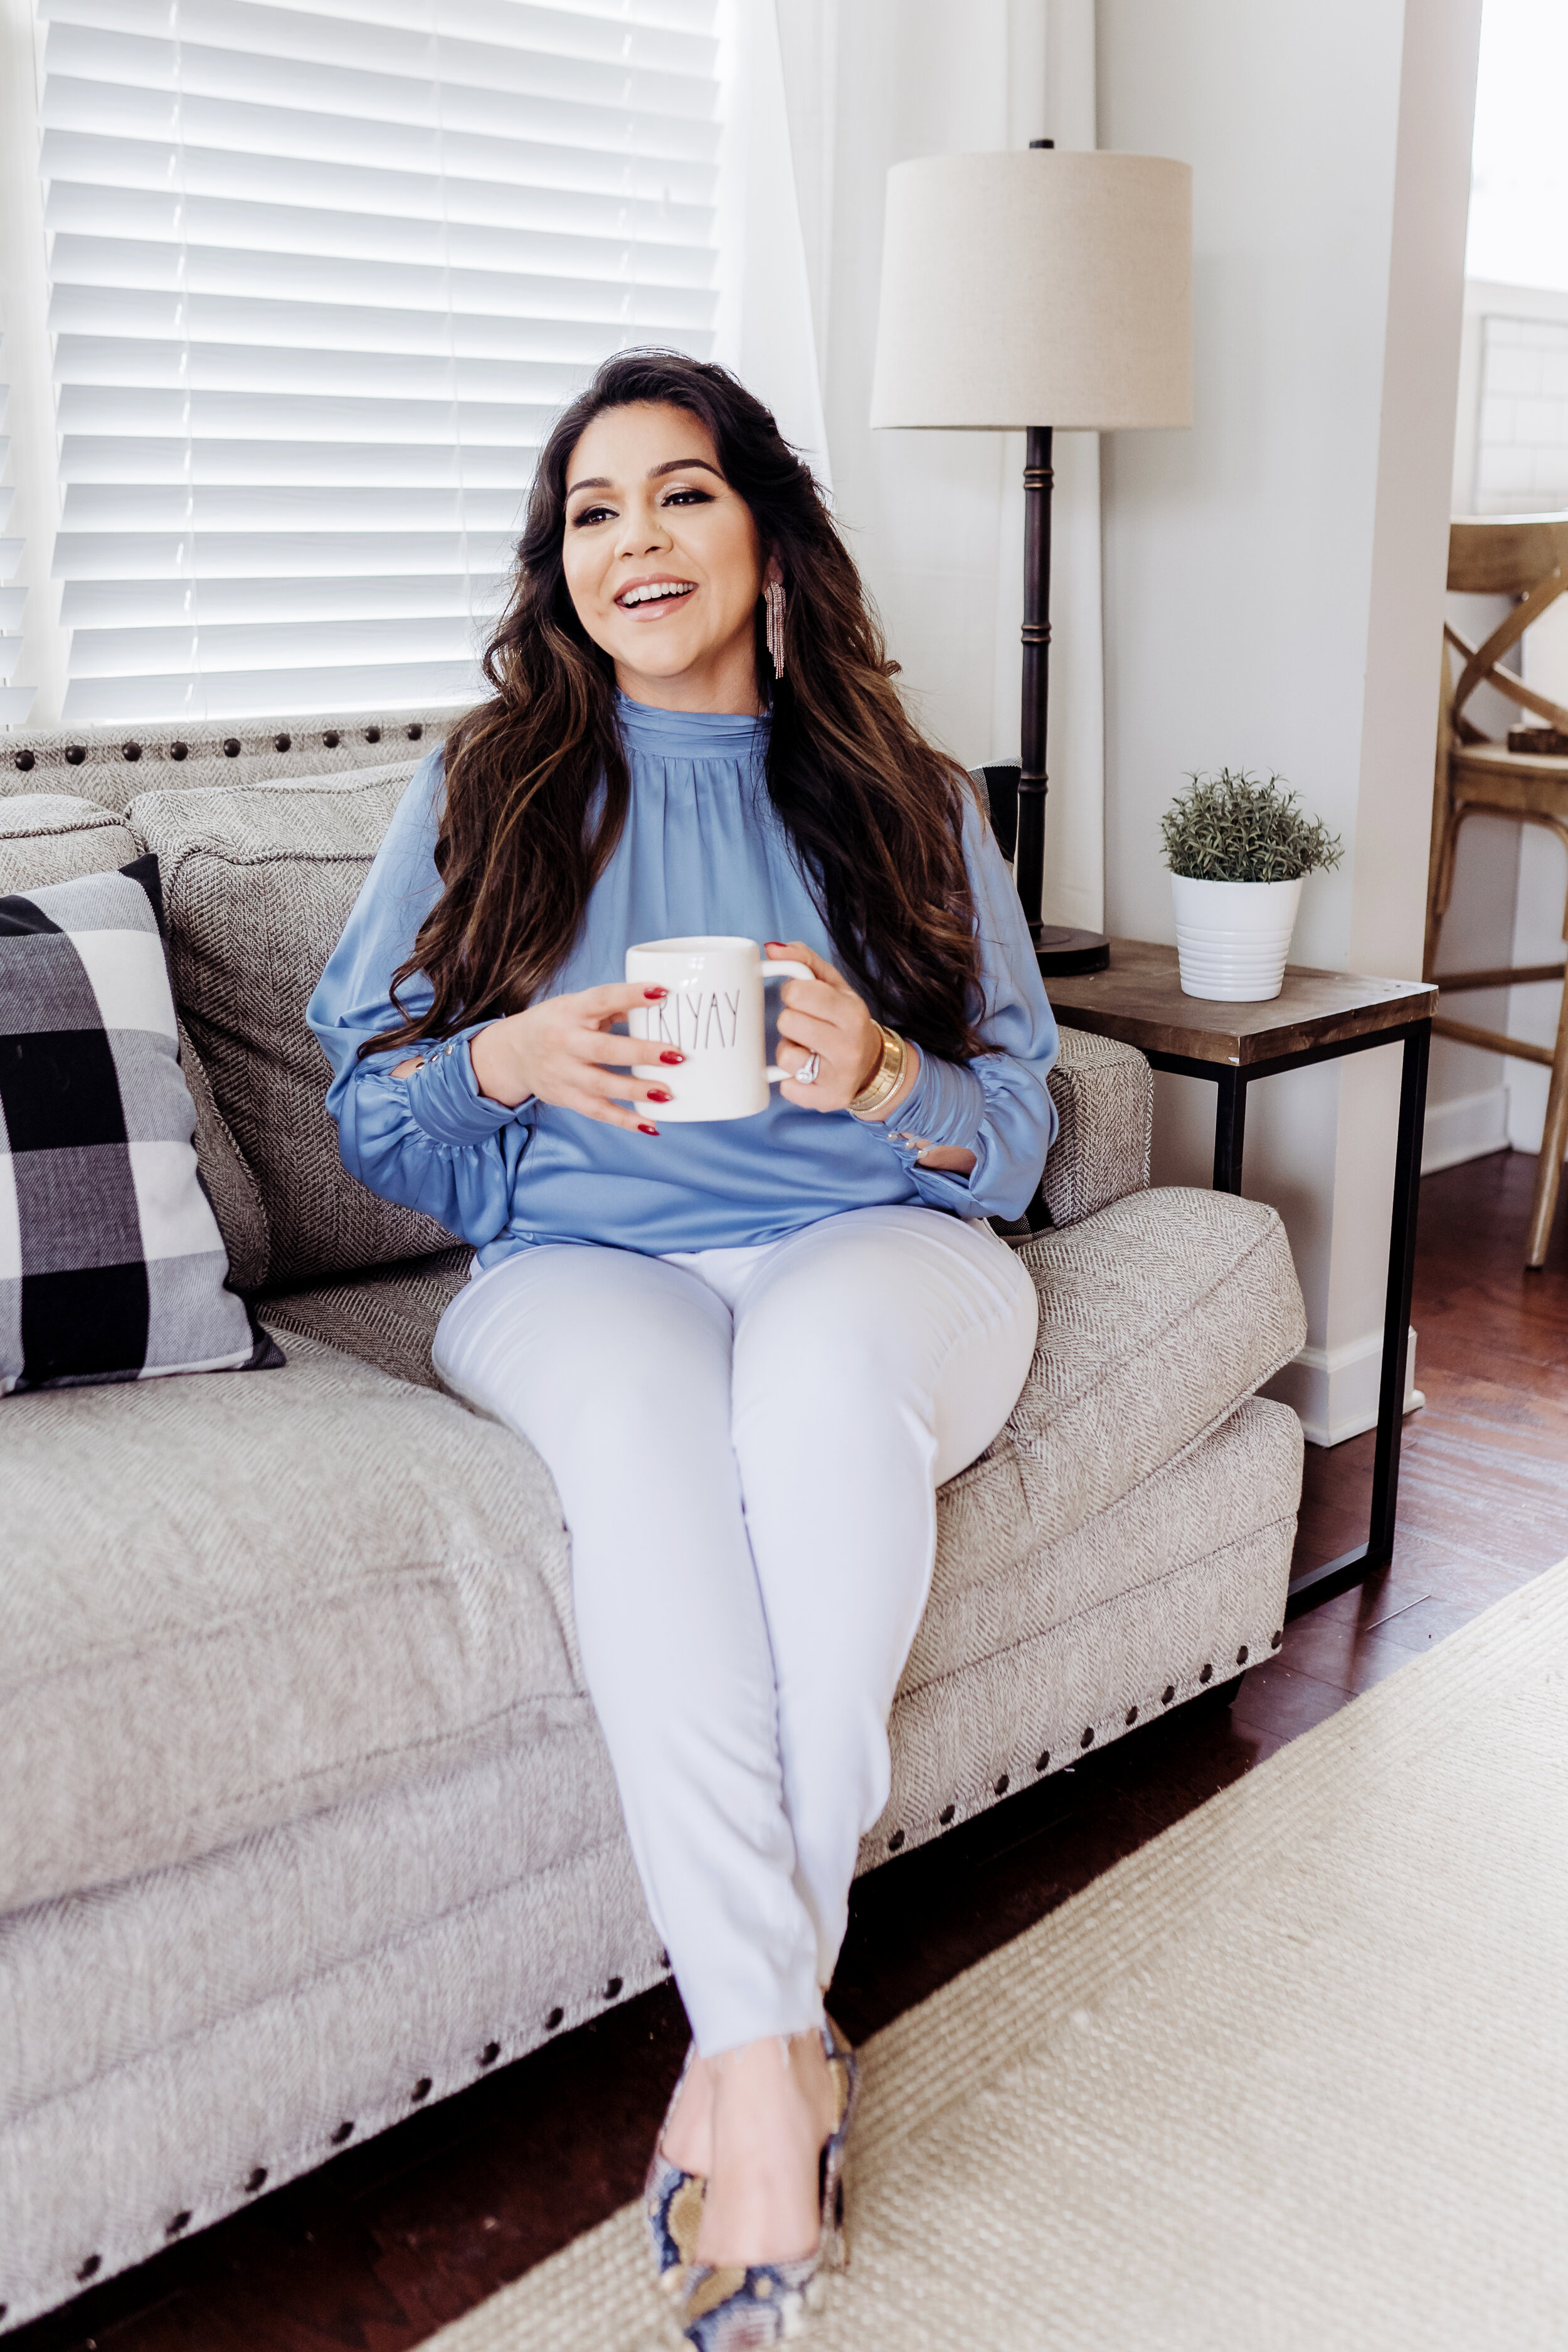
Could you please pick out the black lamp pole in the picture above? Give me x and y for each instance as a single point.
(1057, 949)
(1030, 867)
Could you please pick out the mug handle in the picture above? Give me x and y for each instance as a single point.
(782, 970)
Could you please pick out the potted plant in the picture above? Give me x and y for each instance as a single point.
(1238, 851)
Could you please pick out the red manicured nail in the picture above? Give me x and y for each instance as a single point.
(672, 1057)
(774, 943)
(653, 994)
(643, 1129)
(659, 1094)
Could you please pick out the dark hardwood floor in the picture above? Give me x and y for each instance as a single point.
(390, 2240)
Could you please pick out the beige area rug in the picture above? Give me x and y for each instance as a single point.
(1294, 2076)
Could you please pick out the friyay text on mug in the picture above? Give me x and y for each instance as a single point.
(711, 1015)
(698, 1021)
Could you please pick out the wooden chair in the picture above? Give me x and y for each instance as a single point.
(1524, 557)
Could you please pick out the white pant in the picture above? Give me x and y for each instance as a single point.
(747, 1444)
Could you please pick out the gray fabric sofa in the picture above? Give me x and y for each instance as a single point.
(308, 1819)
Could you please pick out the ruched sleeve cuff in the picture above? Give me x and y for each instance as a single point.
(946, 1105)
(444, 1099)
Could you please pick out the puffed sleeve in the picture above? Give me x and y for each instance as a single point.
(430, 1139)
(998, 1106)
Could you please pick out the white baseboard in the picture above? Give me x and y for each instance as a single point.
(1468, 1127)
(1528, 1083)
(1333, 1390)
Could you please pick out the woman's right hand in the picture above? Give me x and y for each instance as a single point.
(562, 1051)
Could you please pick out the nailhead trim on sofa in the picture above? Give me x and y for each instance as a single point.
(35, 754)
(1094, 1735)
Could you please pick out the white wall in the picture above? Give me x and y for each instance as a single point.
(766, 326)
(1274, 580)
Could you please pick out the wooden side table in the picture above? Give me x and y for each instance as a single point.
(1316, 1017)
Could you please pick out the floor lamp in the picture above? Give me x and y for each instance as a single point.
(1023, 286)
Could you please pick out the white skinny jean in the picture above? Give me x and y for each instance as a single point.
(747, 1444)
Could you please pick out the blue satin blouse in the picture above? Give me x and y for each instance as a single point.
(702, 851)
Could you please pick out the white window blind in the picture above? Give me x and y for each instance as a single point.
(319, 279)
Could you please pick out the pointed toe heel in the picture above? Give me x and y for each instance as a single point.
(732, 2309)
(673, 2203)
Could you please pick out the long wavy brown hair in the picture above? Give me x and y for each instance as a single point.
(536, 780)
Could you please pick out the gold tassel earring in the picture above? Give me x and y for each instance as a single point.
(774, 598)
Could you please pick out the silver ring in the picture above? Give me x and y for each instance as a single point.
(806, 1076)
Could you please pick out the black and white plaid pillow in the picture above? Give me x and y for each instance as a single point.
(111, 1265)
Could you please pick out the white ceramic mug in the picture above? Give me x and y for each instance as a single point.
(713, 1015)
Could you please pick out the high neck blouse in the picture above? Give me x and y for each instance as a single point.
(702, 851)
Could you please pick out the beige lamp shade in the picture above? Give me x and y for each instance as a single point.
(1035, 288)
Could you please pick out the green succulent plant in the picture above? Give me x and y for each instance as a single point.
(1235, 828)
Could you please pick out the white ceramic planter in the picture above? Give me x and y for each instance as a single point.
(1232, 937)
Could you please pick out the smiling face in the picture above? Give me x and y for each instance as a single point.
(662, 559)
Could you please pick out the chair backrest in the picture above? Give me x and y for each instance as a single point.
(1504, 555)
(1522, 556)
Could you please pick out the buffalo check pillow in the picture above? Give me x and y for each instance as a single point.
(111, 1265)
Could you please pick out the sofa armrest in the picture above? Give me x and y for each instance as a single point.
(1104, 1095)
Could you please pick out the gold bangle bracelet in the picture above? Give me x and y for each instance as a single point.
(885, 1078)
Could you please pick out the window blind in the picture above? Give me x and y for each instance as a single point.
(319, 279)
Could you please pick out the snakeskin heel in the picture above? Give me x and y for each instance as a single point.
(673, 2203)
(729, 2309)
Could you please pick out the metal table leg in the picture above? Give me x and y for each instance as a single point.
(1230, 1122)
(1319, 1585)
(1229, 1129)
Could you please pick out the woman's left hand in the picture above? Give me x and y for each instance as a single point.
(824, 1016)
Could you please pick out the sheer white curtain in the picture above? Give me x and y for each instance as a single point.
(765, 329)
(29, 637)
(13, 597)
(936, 518)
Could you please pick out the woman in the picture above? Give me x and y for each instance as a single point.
(749, 1351)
